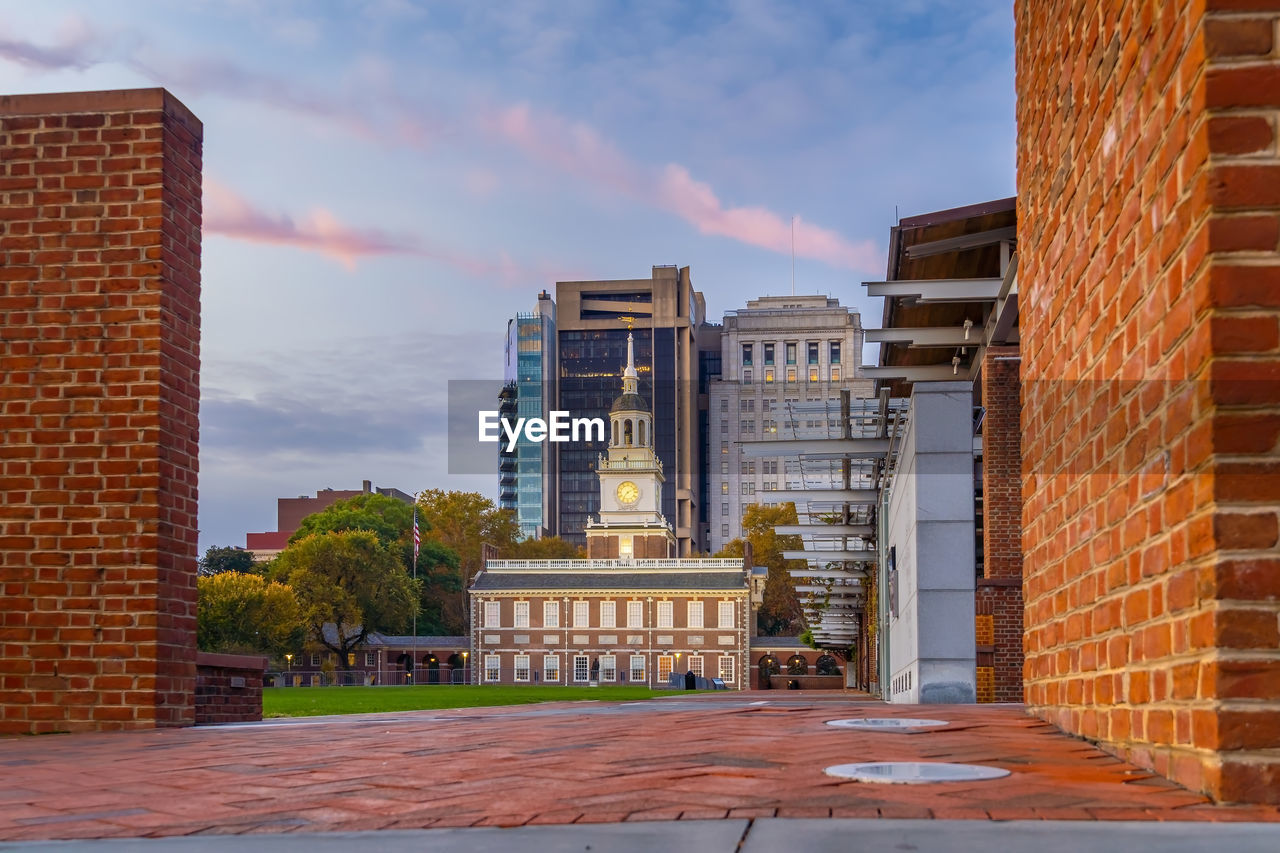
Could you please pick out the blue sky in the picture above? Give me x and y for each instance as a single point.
(386, 182)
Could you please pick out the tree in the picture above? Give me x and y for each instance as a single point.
(465, 522)
(391, 521)
(547, 548)
(242, 613)
(780, 613)
(349, 585)
(218, 560)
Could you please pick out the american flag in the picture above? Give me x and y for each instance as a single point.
(417, 537)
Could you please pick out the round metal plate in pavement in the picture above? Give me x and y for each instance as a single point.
(915, 772)
(886, 724)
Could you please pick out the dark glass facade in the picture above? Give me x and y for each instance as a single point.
(591, 363)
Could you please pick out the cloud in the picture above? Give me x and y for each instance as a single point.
(231, 215)
(73, 49)
(573, 147)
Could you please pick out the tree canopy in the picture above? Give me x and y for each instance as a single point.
(217, 560)
(465, 522)
(240, 613)
(780, 613)
(391, 521)
(349, 584)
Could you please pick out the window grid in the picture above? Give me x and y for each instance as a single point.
(551, 669)
(492, 668)
(635, 614)
(608, 614)
(666, 614)
(665, 665)
(695, 665)
(637, 668)
(551, 614)
(726, 669)
(608, 668)
(493, 614)
(522, 614)
(726, 614)
(522, 667)
(582, 614)
(695, 614)
(581, 668)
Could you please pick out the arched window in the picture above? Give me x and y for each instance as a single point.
(797, 665)
(769, 666)
(641, 442)
(615, 432)
(628, 432)
(827, 665)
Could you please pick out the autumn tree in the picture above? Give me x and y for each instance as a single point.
(217, 560)
(465, 522)
(780, 613)
(547, 548)
(438, 568)
(349, 585)
(241, 613)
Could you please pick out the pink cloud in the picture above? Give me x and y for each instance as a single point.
(231, 215)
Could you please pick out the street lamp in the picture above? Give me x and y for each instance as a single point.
(466, 672)
(289, 660)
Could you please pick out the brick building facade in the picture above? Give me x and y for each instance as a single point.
(1149, 228)
(100, 317)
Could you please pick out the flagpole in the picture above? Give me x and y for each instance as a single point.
(416, 604)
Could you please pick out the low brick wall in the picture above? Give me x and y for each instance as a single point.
(807, 682)
(228, 688)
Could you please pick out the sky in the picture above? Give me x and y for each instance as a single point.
(387, 182)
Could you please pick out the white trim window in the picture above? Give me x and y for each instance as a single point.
(550, 614)
(727, 669)
(581, 668)
(522, 614)
(666, 614)
(695, 614)
(608, 614)
(608, 668)
(551, 669)
(695, 665)
(635, 614)
(665, 664)
(726, 614)
(582, 614)
(493, 614)
(637, 669)
(522, 667)
(492, 668)
(370, 658)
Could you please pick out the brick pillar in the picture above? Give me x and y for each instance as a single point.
(99, 350)
(1149, 256)
(999, 591)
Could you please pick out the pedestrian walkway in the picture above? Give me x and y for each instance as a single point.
(706, 757)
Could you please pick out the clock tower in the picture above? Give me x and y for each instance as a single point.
(631, 524)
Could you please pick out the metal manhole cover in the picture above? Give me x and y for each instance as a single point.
(877, 724)
(914, 772)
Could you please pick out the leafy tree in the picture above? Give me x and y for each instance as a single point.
(465, 522)
(349, 584)
(391, 521)
(780, 613)
(242, 613)
(547, 548)
(218, 560)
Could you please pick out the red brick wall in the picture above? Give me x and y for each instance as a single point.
(999, 591)
(228, 688)
(1149, 228)
(99, 323)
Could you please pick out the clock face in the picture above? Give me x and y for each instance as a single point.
(628, 492)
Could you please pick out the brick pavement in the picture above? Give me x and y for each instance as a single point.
(710, 756)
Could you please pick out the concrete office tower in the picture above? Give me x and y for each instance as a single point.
(527, 473)
(592, 320)
(777, 352)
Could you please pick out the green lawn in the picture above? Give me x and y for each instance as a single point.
(316, 701)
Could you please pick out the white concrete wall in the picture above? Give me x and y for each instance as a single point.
(930, 527)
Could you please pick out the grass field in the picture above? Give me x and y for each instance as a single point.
(316, 701)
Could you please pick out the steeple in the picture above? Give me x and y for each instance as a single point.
(630, 400)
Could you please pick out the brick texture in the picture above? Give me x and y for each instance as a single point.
(228, 689)
(1149, 218)
(999, 591)
(99, 360)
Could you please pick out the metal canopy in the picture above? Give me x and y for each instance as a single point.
(824, 530)
(830, 496)
(864, 555)
(962, 242)
(856, 448)
(920, 372)
(938, 289)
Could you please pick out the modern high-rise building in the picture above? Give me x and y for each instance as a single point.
(776, 355)
(527, 482)
(664, 313)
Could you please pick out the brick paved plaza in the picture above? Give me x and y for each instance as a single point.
(748, 755)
